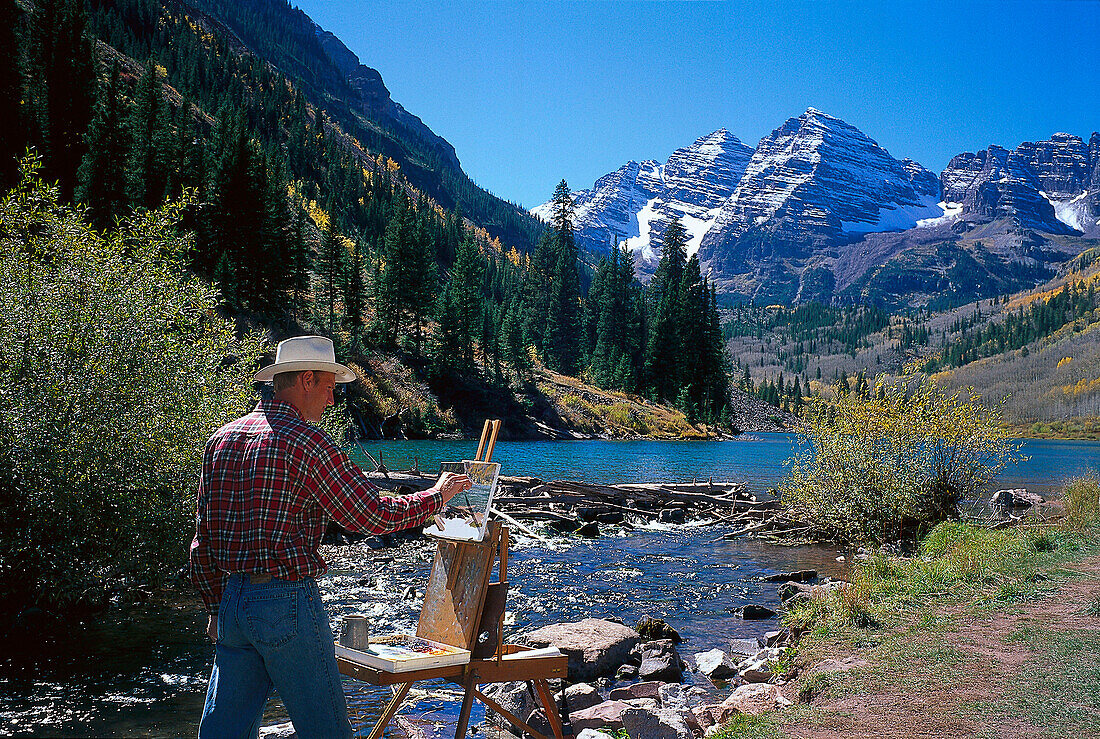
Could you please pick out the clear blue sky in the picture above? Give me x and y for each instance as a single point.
(532, 92)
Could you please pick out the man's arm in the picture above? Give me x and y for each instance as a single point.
(344, 491)
(205, 575)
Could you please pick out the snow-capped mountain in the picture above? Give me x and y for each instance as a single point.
(820, 211)
(817, 180)
(635, 203)
(1051, 186)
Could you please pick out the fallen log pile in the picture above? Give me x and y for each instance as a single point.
(580, 508)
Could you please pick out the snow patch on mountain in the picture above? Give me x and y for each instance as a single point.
(1075, 212)
(897, 217)
(948, 213)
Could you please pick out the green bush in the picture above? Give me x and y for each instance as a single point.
(114, 370)
(882, 464)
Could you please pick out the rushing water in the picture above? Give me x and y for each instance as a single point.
(145, 675)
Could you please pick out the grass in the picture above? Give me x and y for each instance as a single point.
(1060, 688)
(909, 618)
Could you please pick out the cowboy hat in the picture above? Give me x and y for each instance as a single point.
(305, 353)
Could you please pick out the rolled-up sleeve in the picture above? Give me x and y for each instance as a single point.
(344, 491)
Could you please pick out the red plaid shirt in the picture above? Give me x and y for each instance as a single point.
(268, 481)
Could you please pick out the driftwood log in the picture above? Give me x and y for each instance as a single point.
(567, 505)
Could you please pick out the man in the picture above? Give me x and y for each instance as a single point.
(269, 483)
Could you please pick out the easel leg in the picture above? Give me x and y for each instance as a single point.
(391, 709)
(550, 706)
(467, 706)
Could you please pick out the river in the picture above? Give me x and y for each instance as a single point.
(144, 674)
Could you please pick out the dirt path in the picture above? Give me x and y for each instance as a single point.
(957, 680)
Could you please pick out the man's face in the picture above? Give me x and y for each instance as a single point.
(318, 394)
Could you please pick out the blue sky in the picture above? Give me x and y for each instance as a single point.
(532, 92)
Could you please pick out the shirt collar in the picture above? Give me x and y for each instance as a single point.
(278, 406)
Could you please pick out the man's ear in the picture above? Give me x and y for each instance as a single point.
(308, 379)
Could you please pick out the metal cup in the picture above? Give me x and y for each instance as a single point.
(355, 632)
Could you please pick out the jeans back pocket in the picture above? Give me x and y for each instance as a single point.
(272, 616)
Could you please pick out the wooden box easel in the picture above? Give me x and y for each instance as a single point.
(464, 609)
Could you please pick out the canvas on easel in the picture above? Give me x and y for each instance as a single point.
(467, 516)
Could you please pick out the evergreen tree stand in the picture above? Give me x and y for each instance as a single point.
(464, 609)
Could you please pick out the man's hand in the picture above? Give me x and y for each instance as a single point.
(212, 628)
(450, 484)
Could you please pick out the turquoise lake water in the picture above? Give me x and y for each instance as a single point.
(755, 459)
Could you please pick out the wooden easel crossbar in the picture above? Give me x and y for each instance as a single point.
(463, 608)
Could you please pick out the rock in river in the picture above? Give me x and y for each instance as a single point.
(661, 661)
(659, 723)
(594, 646)
(715, 664)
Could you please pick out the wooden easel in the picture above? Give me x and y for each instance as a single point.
(464, 609)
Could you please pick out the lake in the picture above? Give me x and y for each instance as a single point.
(757, 460)
(144, 674)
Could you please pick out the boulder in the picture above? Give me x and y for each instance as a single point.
(756, 669)
(655, 628)
(753, 699)
(680, 697)
(594, 646)
(581, 696)
(648, 689)
(754, 612)
(789, 590)
(515, 697)
(644, 723)
(590, 530)
(779, 638)
(278, 731)
(796, 576)
(650, 704)
(1018, 498)
(661, 661)
(744, 647)
(715, 664)
(627, 672)
(671, 515)
(606, 715)
(593, 734)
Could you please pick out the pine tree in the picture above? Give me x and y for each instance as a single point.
(102, 182)
(563, 320)
(153, 144)
(354, 295)
(61, 86)
(663, 352)
(13, 134)
(467, 277)
(331, 266)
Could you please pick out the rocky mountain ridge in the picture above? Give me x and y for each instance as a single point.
(820, 211)
(634, 204)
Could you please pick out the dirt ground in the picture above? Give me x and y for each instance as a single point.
(984, 670)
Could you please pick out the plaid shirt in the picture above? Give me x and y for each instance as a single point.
(268, 481)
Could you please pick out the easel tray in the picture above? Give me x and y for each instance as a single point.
(404, 653)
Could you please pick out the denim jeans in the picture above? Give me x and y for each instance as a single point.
(274, 634)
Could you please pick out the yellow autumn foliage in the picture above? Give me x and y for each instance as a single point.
(871, 468)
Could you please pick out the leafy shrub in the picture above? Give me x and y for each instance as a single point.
(878, 465)
(114, 370)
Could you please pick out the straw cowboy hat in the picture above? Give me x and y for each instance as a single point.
(305, 353)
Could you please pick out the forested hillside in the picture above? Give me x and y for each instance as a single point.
(312, 210)
(1037, 350)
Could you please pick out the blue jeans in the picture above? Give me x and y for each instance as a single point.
(274, 634)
